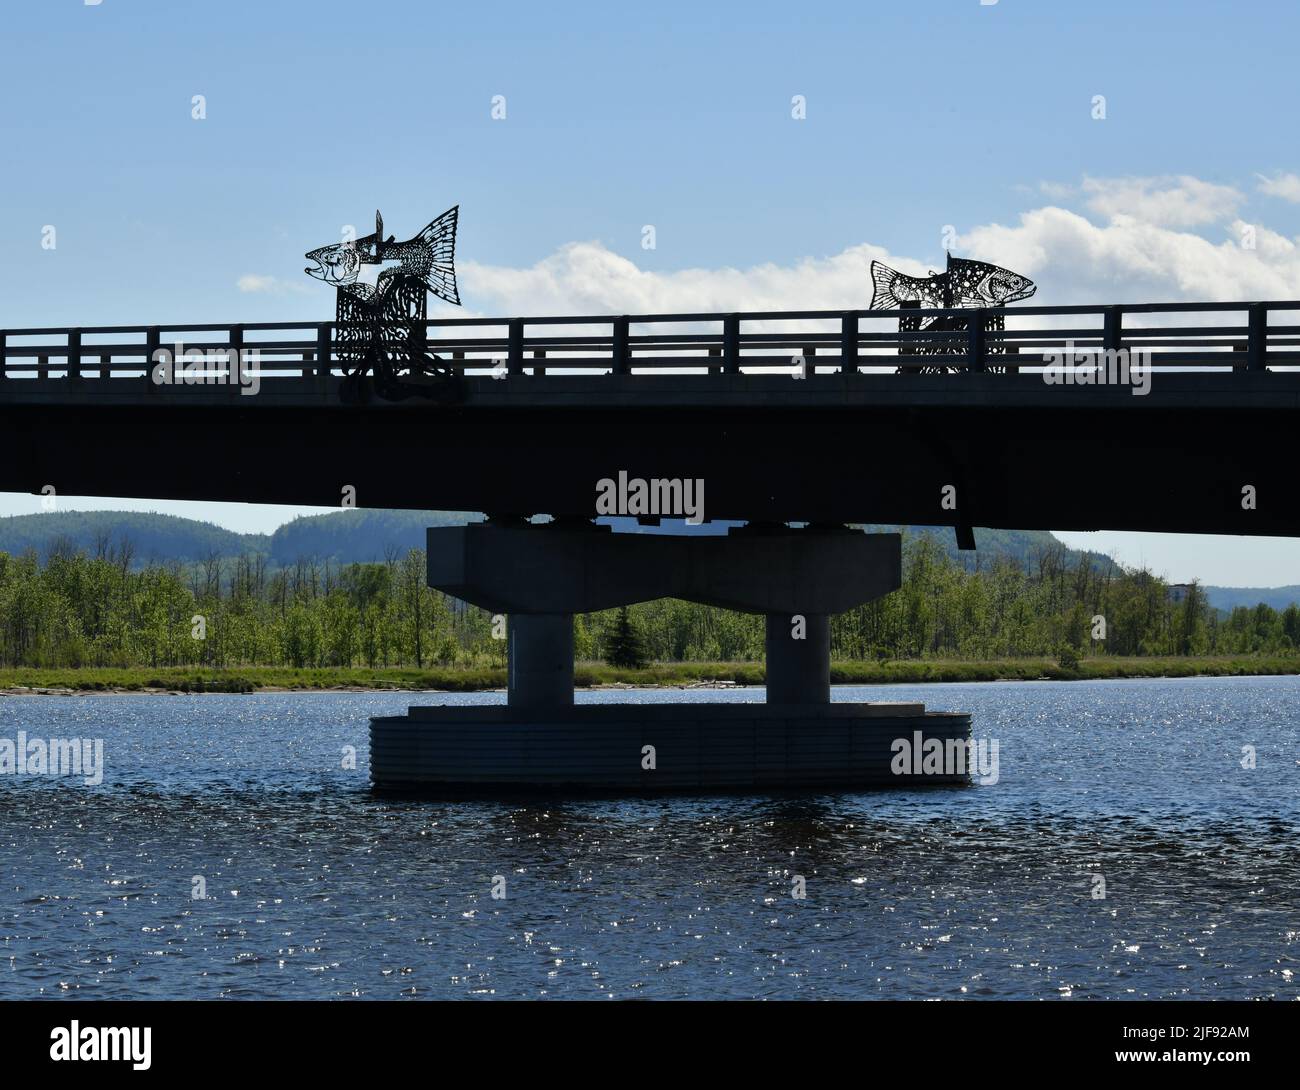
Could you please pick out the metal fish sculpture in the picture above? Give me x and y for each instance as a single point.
(964, 284)
(369, 267)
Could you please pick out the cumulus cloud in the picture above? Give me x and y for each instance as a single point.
(1181, 201)
(1142, 252)
(1286, 186)
(586, 277)
(1127, 260)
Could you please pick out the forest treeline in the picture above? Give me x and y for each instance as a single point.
(99, 608)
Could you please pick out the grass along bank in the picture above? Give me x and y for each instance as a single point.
(906, 671)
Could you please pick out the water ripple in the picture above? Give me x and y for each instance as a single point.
(316, 889)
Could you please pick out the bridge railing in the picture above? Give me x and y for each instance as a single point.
(1254, 336)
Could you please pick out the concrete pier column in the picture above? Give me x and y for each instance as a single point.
(540, 651)
(798, 670)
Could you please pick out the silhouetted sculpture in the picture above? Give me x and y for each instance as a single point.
(964, 284)
(381, 313)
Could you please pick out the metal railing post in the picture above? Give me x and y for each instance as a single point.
(849, 341)
(515, 347)
(975, 340)
(1256, 337)
(731, 344)
(236, 363)
(4, 354)
(74, 353)
(619, 351)
(152, 339)
(1112, 329)
(324, 350)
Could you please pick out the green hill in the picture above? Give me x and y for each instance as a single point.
(150, 536)
(359, 535)
(341, 536)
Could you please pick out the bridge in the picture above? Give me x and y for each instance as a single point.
(931, 417)
(881, 423)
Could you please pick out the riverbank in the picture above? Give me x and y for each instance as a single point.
(21, 681)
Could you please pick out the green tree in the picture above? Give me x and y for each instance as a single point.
(625, 646)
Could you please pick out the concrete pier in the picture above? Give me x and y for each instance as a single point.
(540, 656)
(541, 575)
(798, 649)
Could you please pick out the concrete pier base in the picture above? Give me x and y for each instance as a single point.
(658, 748)
(541, 575)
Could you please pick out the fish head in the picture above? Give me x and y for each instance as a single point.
(337, 264)
(977, 283)
(340, 263)
(1004, 287)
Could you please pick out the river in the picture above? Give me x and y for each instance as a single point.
(1124, 852)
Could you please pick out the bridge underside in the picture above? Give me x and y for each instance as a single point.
(834, 449)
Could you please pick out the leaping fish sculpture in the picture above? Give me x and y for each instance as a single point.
(369, 267)
(382, 297)
(964, 284)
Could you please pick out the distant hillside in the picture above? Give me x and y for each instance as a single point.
(153, 537)
(360, 535)
(342, 536)
(1229, 598)
(1020, 545)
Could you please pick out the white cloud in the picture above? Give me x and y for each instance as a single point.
(1181, 201)
(588, 278)
(1286, 186)
(1127, 260)
(1135, 256)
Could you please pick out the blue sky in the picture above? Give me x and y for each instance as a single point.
(919, 115)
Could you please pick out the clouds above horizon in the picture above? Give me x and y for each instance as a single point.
(1131, 239)
(1286, 186)
(1171, 201)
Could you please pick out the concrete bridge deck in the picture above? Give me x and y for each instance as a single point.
(543, 413)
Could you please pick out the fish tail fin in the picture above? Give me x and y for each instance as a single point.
(882, 279)
(440, 238)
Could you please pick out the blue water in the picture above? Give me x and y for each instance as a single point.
(316, 889)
